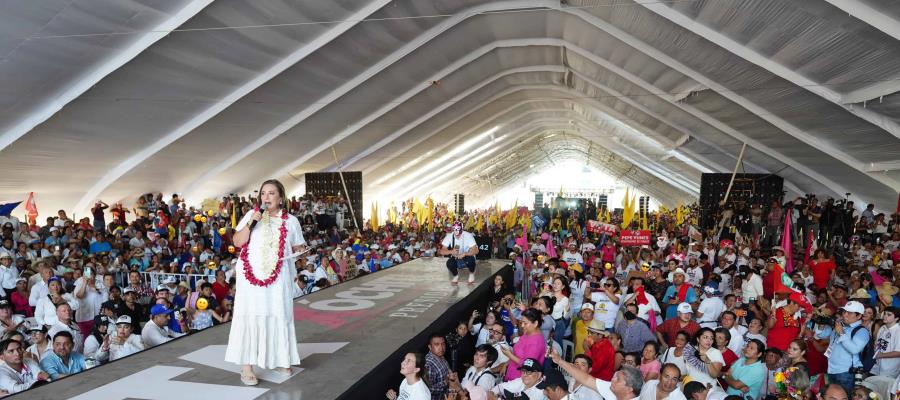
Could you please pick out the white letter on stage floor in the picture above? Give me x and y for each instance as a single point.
(155, 383)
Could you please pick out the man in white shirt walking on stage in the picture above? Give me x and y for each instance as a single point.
(462, 248)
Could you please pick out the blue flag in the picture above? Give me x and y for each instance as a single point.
(7, 208)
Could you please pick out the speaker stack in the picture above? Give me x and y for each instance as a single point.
(748, 189)
(459, 203)
(329, 184)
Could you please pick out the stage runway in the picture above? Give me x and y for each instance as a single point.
(345, 333)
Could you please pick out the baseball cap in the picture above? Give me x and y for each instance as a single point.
(5, 254)
(531, 365)
(158, 309)
(170, 280)
(127, 290)
(124, 320)
(685, 308)
(161, 287)
(679, 271)
(553, 378)
(854, 306)
(34, 326)
(5, 304)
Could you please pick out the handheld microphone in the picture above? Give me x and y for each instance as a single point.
(253, 223)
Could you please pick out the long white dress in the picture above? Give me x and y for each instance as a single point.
(262, 328)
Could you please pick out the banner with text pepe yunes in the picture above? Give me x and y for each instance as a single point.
(634, 238)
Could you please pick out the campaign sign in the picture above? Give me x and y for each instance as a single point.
(634, 238)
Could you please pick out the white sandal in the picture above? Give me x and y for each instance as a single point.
(249, 379)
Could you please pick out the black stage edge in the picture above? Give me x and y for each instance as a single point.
(352, 338)
(387, 374)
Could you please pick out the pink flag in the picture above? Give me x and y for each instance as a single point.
(551, 249)
(786, 243)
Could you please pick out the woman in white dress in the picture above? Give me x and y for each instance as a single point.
(262, 328)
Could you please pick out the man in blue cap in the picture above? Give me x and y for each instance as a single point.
(156, 331)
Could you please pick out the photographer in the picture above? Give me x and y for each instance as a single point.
(847, 342)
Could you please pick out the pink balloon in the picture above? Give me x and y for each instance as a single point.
(545, 236)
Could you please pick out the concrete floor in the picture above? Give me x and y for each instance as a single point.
(344, 332)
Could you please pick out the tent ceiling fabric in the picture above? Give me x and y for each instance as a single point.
(108, 99)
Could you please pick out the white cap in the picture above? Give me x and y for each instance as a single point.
(854, 306)
(587, 306)
(5, 254)
(679, 271)
(170, 280)
(124, 320)
(392, 246)
(54, 229)
(685, 308)
(127, 290)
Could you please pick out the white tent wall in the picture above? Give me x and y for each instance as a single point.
(109, 100)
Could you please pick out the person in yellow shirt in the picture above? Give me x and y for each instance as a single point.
(579, 331)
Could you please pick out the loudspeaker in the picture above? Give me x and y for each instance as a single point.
(329, 184)
(747, 189)
(459, 203)
(602, 201)
(643, 206)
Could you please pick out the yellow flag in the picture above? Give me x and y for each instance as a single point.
(233, 214)
(392, 214)
(679, 216)
(627, 212)
(374, 218)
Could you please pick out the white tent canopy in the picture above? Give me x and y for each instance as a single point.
(107, 99)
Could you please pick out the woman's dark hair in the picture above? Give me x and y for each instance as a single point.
(532, 315)
(696, 339)
(651, 344)
(614, 282)
(279, 187)
(724, 332)
(547, 300)
(489, 352)
(420, 364)
(687, 336)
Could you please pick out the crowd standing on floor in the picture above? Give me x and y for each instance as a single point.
(781, 301)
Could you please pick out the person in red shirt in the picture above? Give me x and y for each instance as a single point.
(822, 269)
(783, 327)
(601, 351)
(667, 332)
(220, 287)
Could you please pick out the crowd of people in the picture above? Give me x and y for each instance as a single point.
(77, 294)
(785, 301)
(695, 313)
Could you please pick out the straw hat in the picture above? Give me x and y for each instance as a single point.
(886, 289)
(861, 294)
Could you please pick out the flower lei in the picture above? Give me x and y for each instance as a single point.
(790, 321)
(271, 267)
